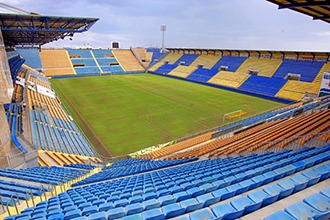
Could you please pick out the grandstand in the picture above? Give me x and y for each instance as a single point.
(272, 165)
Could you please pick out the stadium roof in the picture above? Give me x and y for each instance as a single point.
(318, 9)
(35, 29)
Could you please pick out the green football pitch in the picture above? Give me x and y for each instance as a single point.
(126, 113)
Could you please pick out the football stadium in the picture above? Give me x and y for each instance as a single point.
(160, 133)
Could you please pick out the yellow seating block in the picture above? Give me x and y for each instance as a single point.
(183, 71)
(229, 79)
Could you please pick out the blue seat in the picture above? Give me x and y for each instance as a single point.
(301, 210)
(301, 182)
(135, 199)
(72, 214)
(165, 200)
(173, 210)
(149, 195)
(202, 214)
(90, 210)
(181, 196)
(288, 186)
(223, 194)
(134, 208)
(259, 180)
(220, 184)
(227, 211)
(207, 187)
(323, 171)
(116, 213)
(195, 191)
(106, 206)
(326, 192)
(191, 205)
(98, 216)
(153, 214)
(163, 192)
(132, 217)
(207, 199)
(299, 165)
(150, 204)
(262, 197)
(280, 215)
(319, 202)
(290, 169)
(246, 204)
(313, 177)
(121, 203)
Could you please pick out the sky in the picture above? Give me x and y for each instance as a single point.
(218, 24)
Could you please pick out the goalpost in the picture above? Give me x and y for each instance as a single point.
(234, 114)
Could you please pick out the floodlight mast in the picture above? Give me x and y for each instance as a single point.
(163, 29)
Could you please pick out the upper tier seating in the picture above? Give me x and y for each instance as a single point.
(186, 59)
(233, 63)
(265, 66)
(31, 56)
(208, 61)
(15, 63)
(307, 69)
(156, 55)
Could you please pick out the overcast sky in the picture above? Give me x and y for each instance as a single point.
(221, 24)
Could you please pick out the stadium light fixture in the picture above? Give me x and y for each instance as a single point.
(163, 29)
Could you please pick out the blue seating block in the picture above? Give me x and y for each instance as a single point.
(165, 200)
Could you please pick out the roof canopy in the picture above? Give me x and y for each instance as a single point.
(34, 29)
(318, 9)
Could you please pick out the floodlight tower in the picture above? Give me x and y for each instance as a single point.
(163, 29)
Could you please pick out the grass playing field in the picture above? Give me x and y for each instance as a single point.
(126, 113)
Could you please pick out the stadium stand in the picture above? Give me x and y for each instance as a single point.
(128, 61)
(233, 63)
(156, 55)
(202, 75)
(229, 79)
(83, 62)
(264, 66)
(31, 56)
(180, 71)
(167, 68)
(106, 60)
(56, 62)
(208, 61)
(15, 63)
(308, 70)
(202, 188)
(263, 85)
(52, 129)
(186, 59)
